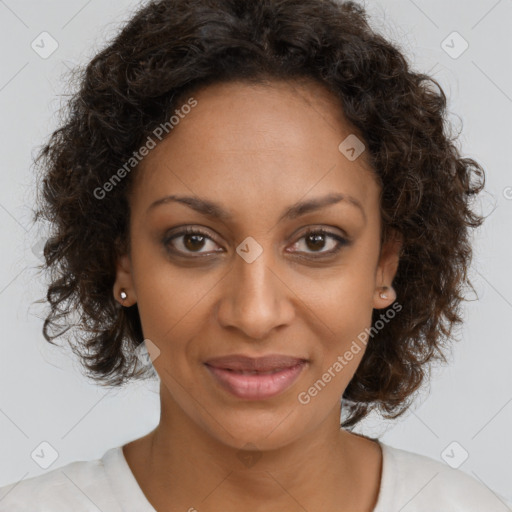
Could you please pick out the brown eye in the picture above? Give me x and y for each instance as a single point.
(316, 240)
(189, 241)
(193, 242)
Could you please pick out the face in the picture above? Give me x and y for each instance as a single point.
(275, 255)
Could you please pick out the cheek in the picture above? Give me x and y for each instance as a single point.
(344, 305)
(340, 346)
(170, 318)
(167, 294)
(176, 314)
(166, 301)
(347, 309)
(343, 298)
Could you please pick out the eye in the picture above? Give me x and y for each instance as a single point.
(192, 241)
(317, 239)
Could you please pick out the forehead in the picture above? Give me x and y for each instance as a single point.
(270, 143)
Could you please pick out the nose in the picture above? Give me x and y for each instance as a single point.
(256, 300)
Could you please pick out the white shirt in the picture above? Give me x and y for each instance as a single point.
(409, 483)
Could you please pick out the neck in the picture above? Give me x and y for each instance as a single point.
(181, 463)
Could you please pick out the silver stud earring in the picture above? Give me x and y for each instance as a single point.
(123, 295)
(382, 294)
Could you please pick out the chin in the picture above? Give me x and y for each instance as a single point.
(264, 430)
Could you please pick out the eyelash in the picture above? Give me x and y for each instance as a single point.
(342, 242)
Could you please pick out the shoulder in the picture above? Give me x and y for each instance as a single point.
(78, 486)
(415, 483)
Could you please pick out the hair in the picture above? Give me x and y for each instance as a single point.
(170, 48)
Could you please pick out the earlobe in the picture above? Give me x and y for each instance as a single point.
(123, 288)
(389, 259)
(384, 297)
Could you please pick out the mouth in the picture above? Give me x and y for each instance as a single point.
(255, 378)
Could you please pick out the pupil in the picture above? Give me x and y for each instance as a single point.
(195, 239)
(318, 241)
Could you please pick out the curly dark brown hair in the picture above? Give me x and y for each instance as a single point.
(170, 48)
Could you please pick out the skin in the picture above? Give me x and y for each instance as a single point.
(255, 150)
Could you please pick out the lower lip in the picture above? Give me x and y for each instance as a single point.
(256, 386)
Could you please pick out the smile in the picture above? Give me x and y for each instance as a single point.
(255, 379)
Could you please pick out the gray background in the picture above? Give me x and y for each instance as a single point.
(43, 396)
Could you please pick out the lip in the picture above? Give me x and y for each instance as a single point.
(256, 378)
(239, 362)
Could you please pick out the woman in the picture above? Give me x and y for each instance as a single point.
(256, 193)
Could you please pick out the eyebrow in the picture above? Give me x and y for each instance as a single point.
(215, 211)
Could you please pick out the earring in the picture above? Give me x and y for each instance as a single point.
(382, 294)
(123, 295)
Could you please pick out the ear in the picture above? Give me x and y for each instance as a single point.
(386, 270)
(124, 281)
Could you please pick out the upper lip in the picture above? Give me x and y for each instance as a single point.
(244, 363)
